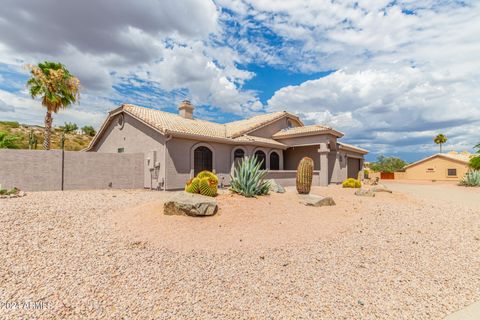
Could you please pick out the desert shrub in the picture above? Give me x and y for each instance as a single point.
(8, 141)
(475, 163)
(248, 180)
(205, 183)
(471, 179)
(351, 183)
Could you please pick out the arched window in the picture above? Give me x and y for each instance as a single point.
(274, 161)
(262, 158)
(238, 155)
(202, 160)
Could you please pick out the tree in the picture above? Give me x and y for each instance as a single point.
(89, 130)
(387, 164)
(69, 127)
(7, 141)
(475, 161)
(440, 139)
(56, 87)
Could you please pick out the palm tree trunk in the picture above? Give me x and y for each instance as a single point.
(48, 130)
(440, 148)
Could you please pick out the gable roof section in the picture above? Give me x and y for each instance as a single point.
(306, 131)
(241, 127)
(463, 158)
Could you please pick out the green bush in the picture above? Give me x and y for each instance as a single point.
(475, 163)
(351, 183)
(8, 141)
(89, 131)
(471, 179)
(248, 180)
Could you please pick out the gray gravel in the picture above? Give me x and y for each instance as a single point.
(407, 260)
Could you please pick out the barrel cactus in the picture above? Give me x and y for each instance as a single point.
(208, 187)
(205, 183)
(207, 174)
(192, 185)
(304, 175)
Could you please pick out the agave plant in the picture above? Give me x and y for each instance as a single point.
(471, 179)
(248, 180)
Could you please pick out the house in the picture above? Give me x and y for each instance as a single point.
(177, 146)
(440, 166)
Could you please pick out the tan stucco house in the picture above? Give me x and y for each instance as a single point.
(441, 167)
(177, 146)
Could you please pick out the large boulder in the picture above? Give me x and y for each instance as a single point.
(316, 201)
(190, 204)
(364, 192)
(275, 186)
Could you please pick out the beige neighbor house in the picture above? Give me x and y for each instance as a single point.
(441, 166)
(177, 147)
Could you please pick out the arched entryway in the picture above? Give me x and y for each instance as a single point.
(274, 161)
(262, 158)
(202, 159)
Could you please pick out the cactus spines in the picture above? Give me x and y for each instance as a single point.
(304, 175)
(192, 185)
(205, 183)
(208, 187)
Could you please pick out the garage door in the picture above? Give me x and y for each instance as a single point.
(353, 168)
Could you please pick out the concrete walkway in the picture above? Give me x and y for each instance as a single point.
(472, 312)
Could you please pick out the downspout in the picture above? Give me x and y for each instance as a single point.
(168, 138)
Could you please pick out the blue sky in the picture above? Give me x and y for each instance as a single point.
(389, 74)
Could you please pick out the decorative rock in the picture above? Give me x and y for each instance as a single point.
(190, 204)
(381, 188)
(276, 187)
(364, 192)
(316, 201)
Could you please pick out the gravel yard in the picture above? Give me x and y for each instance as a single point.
(112, 254)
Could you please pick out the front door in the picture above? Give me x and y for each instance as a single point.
(202, 160)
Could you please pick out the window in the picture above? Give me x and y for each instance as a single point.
(120, 150)
(274, 161)
(452, 172)
(262, 158)
(202, 160)
(238, 155)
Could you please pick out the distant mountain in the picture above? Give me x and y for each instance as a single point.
(73, 141)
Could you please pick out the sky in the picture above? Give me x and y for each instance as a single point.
(389, 74)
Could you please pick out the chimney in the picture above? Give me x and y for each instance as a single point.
(185, 109)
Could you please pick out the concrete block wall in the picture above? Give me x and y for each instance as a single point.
(35, 170)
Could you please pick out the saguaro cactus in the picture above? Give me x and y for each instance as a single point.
(32, 140)
(304, 175)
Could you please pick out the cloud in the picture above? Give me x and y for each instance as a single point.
(5, 107)
(395, 107)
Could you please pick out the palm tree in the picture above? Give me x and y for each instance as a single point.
(440, 139)
(57, 88)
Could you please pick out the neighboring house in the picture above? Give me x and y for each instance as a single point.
(177, 147)
(440, 166)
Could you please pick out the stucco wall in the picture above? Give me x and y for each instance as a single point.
(295, 154)
(440, 166)
(136, 137)
(309, 140)
(33, 170)
(288, 177)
